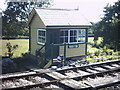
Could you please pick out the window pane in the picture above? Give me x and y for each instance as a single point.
(39, 40)
(62, 33)
(39, 33)
(41, 36)
(64, 36)
(43, 40)
(73, 39)
(71, 33)
(83, 32)
(75, 32)
(43, 33)
(66, 33)
(82, 39)
(66, 39)
(81, 35)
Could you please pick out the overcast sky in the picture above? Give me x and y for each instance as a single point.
(92, 10)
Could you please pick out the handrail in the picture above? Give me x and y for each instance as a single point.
(68, 44)
(41, 48)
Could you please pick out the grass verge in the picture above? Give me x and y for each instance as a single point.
(23, 46)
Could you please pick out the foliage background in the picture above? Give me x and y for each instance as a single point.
(15, 17)
(109, 27)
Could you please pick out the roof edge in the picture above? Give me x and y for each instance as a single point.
(65, 9)
(31, 16)
(32, 13)
(69, 25)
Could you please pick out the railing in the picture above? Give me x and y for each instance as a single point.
(40, 55)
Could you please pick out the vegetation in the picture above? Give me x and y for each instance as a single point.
(108, 27)
(18, 64)
(16, 16)
(15, 26)
(10, 49)
(21, 59)
(96, 51)
(24, 46)
(22, 43)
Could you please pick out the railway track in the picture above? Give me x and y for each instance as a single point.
(93, 76)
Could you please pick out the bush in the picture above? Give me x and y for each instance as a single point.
(110, 52)
(10, 49)
(88, 53)
(97, 53)
(26, 60)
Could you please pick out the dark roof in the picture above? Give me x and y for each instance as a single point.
(61, 17)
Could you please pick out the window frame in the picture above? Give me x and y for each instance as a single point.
(82, 35)
(38, 42)
(63, 36)
(77, 36)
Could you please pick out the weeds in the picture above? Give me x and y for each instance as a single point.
(10, 49)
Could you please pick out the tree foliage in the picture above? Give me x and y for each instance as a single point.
(16, 16)
(108, 27)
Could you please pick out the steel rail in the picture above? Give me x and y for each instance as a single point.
(43, 73)
(90, 65)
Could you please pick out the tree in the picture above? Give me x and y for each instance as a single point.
(16, 16)
(108, 27)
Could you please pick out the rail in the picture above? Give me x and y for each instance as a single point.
(93, 76)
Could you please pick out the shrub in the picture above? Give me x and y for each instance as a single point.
(111, 53)
(107, 51)
(88, 53)
(10, 49)
(97, 53)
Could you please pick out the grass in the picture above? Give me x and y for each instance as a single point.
(23, 46)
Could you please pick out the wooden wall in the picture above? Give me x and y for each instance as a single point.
(36, 23)
(73, 52)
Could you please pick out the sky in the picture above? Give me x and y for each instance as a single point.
(91, 10)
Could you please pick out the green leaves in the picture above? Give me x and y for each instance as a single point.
(16, 16)
(108, 27)
(11, 49)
